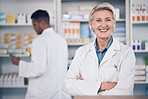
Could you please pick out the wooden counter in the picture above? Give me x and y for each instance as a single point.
(113, 97)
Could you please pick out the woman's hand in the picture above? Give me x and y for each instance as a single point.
(107, 85)
(79, 77)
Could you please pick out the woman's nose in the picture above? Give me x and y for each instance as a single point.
(103, 23)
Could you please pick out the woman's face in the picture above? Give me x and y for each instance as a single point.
(103, 23)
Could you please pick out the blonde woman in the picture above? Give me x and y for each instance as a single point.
(106, 66)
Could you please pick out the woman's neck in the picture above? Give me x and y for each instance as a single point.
(102, 43)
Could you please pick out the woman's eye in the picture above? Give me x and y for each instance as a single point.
(98, 20)
(108, 20)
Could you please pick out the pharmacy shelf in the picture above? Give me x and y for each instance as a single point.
(141, 83)
(84, 20)
(140, 22)
(141, 51)
(17, 55)
(15, 24)
(79, 42)
(25, 86)
(79, 20)
(120, 19)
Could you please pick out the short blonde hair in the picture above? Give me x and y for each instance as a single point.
(102, 6)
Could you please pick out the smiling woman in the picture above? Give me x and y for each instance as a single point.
(102, 67)
(103, 24)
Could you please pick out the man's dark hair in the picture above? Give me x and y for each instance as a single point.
(40, 15)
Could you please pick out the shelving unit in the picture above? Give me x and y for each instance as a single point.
(140, 87)
(25, 86)
(17, 55)
(1, 25)
(138, 31)
(74, 5)
(19, 25)
(15, 7)
(139, 22)
(141, 82)
(141, 51)
(13, 92)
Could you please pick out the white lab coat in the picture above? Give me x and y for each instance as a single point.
(48, 67)
(85, 62)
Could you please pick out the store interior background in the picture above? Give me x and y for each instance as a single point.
(67, 15)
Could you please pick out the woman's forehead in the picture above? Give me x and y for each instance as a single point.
(103, 13)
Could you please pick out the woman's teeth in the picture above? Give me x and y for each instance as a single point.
(103, 30)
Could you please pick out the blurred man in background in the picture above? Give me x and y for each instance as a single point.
(48, 67)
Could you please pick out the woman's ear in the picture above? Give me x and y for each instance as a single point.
(91, 26)
(114, 24)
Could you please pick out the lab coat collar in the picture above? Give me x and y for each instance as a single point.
(111, 51)
(48, 30)
(115, 46)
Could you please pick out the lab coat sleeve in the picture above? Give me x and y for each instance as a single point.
(126, 77)
(37, 66)
(79, 87)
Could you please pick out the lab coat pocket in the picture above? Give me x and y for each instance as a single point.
(109, 75)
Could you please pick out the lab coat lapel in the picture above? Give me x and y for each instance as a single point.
(92, 52)
(111, 51)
